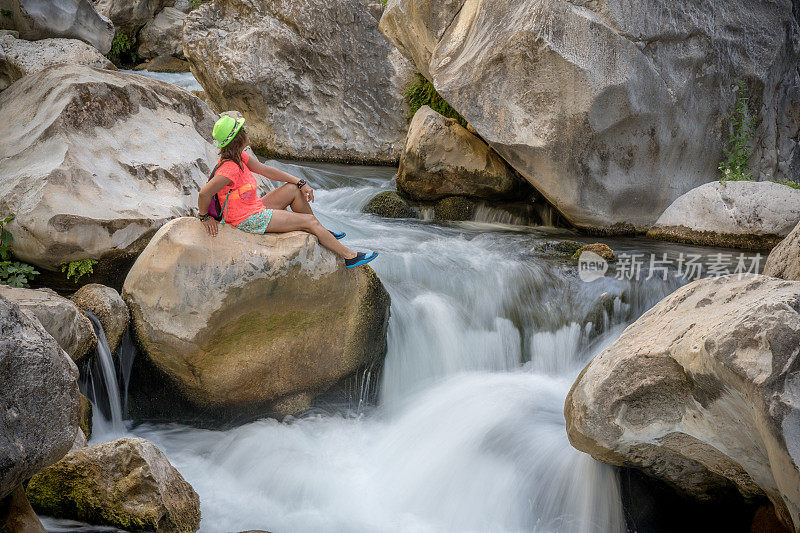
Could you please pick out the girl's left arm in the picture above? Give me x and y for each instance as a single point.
(278, 175)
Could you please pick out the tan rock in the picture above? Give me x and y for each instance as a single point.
(60, 317)
(165, 63)
(127, 483)
(17, 515)
(731, 214)
(107, 158)
(441, 158)
(701, 391)
(240, 322)
(107, 305)
(129, 16)
(784, 260)
(18, 57)
(603, 250)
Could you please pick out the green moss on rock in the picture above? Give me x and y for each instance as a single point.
(603, 250)
(454, 208)
(388, 204)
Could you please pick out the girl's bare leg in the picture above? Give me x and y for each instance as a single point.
(283, 221)
(285, 196)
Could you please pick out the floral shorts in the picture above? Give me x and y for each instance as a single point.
(257, 222)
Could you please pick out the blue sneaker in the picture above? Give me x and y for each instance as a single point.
(339, 236)
(360, 259)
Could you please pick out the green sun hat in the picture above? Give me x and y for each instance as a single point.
(226, 129)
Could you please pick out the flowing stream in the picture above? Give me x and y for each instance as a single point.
(485, 339)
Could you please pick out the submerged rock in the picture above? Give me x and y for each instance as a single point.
(18, 57)
(602, 109)
(165, 63)
(702, 392)
(454, 208)
(441, 159)
(315, 79)
(61, 318)
(162, 36)
(731, 214)
(71, 19)
(603, 250)
(784, 260)
(127, 483)
(240, 323)
(39, 398)
(107, 305)
(388, 204)
(103, 162)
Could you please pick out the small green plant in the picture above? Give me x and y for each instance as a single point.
(197, 3)
(121, 49)
(12, 273)
(6, 12)
(422, 92)
(790, 183)
(738, 152)
(78, 269)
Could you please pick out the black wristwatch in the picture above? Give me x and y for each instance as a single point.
(301, 183)
(203, 218)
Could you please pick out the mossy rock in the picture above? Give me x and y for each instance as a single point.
(388, 204)
(127, 483)
(565, 248)
(454, 208)
(603, 250)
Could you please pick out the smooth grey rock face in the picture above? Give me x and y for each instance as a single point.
(19, 57)
(60, 318)
(611, 109)
(315, 79)
(39, 398)
(703, 391)
(129, 16)
(71, 19)
(441, 158)
(163, 35)
(106, 158)
(731, 214)
(784, 260)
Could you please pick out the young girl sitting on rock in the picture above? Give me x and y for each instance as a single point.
(237, 191)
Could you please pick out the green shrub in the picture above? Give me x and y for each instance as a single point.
(422, 92)
(738, 152)
(6, 12)
(790, 183)
(78, 269)
(12, 273)
(197, 3)
(121, 49)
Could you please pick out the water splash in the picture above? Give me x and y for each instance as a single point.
(102, 387)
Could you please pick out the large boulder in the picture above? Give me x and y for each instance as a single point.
(784, 260)
(127, 483)
(731, 214)
(163, 35)
(242, 325)
(71, 19)
(19, 57)
(441, 158)
(17, 515)
(702, 392)
(107, 305)
(60, 318)
(104, 160)
(39, 398)
(129, 16)
(315, 79)
(611, 109)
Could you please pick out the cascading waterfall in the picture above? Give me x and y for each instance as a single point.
(102, 387)
(485, 339)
